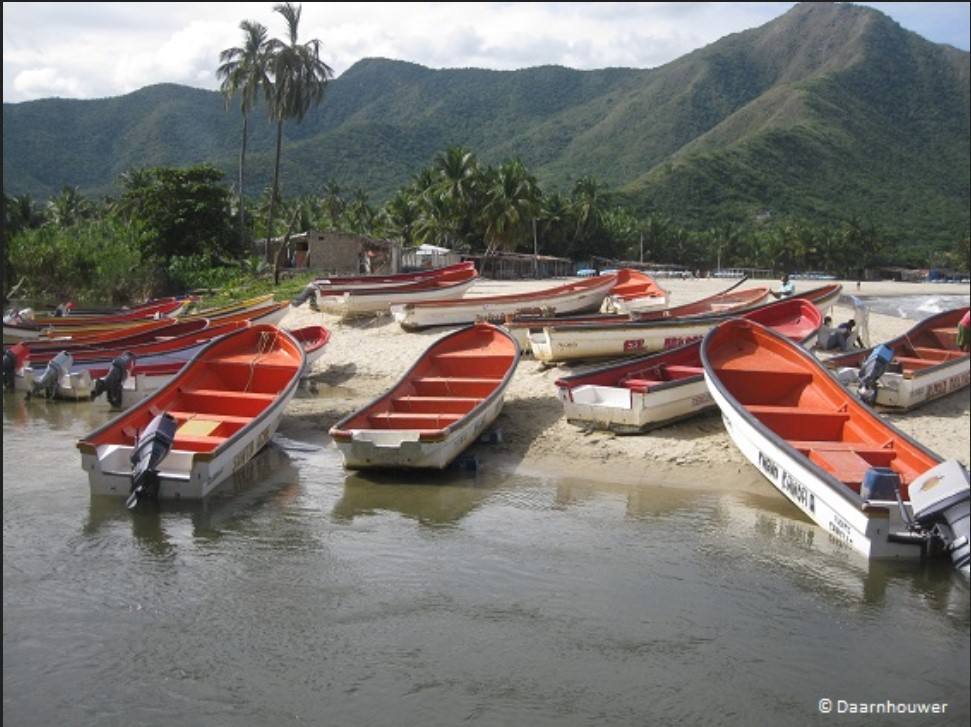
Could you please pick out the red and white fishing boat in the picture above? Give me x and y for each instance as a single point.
(634, 292)
(348, 303)
(438, 408)
(164, 308)
(349, 282)
(575, 297)
(313, 340)
(927, 364)
(648, 392)
(578, 341)
(205, 424)
(572, 342)
(829, 454)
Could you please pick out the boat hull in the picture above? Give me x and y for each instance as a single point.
(572, 343)
(624, 411)
(495, 309)
(349, 305)
(181, 476)
(845, 524)
(405, 450)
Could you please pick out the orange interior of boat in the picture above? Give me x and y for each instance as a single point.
(453, 377)
(221, 392)
(635, 284)
(796, 399)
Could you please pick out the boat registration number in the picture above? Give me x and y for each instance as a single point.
(633, 344)
(672, 341)
(793, 488)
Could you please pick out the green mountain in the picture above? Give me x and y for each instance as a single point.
(829, 112)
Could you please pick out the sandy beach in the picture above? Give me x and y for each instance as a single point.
(366, 357)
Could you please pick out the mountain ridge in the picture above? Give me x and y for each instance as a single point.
(828, 112)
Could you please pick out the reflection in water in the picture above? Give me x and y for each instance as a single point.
(430, 498)
(770, 530)
(269, 476)
(18, 410)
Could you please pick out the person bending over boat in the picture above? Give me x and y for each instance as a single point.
(842, 338)
(786, 289)
(825, 334)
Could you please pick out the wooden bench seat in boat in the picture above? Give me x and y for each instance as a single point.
(229, 395)
(791, 422)
(411, 420)
(939, 354)
(436, 404)
(915, 363)
(184, 416)
(455, 386)
(947, 336)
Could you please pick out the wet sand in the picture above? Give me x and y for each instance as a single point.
(366, 357)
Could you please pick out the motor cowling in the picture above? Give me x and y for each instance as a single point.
(941, 503)
(152, 447)
(57, 368)
(111, 383)
(870, 372)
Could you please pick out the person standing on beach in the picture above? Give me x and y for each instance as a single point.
(964, 332)
(786, 289)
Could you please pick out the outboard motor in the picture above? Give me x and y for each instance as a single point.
(14, 359)
(57, 368)
(308, 293)
(110, 384)
(152, 447)
(940, 500)
(870, 372)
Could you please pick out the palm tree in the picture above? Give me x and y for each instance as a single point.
(400, 217)
(68, 208)
(243, 70)
(333, 202)
(512, 202)
(299, 80)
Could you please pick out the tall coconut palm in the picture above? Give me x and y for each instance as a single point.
(243, 70)
(512, 203)
(299, 80)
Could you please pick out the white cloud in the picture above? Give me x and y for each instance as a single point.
(101, 49)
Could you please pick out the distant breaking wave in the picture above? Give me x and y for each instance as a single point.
(912, 307)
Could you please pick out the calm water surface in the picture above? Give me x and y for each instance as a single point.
(303, 595)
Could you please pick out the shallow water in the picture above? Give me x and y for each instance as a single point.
(301, 594)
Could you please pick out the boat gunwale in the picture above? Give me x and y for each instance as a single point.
(841, 488)
(338, 433)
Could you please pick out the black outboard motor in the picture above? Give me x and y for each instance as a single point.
(57, 368)
(110, 383)
(308, 293)
(940, 499)
(13, 359)
(152, 447)
(870, 372)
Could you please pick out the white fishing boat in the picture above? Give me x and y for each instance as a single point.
(640, 394)
(574, 297)
(871, 487)
(370, 301)
(205, 424)
(438, 408)
(926, 364)
(652, 332)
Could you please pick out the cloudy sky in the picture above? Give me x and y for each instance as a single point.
(90, 50)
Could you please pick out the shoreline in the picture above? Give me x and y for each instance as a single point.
(366, 357)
